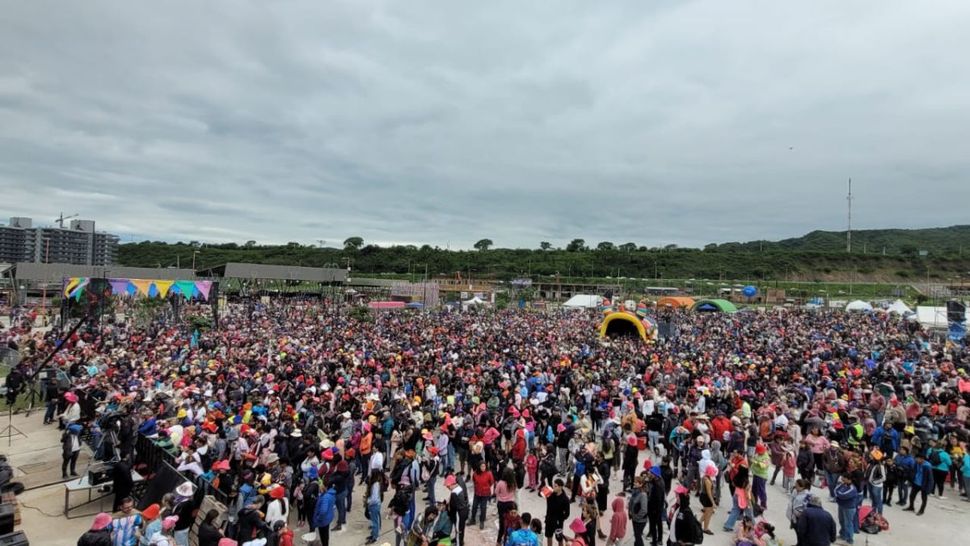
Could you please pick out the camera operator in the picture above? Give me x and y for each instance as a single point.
(16, 381)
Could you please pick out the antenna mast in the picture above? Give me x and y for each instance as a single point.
(848, 234)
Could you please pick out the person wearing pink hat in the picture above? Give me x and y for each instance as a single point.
(707, 498)
(457, 507)
(71, 413)
(579, 532)
(166, 536)
(100, 532)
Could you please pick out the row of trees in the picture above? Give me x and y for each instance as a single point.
(576, 245)
(681, 263)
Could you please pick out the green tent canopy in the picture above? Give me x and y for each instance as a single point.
(715, 306)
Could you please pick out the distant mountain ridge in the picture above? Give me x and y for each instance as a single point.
(941, 241)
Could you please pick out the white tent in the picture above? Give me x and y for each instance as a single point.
(476, 301)
(899, 308)
(858, 305)
(583, 301)
(933, 317)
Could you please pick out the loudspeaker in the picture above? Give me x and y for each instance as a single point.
(956, 311)
(100, 473)
(14, 539)
(6, 518)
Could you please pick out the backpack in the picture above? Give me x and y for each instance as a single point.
(874, 523)
(400, 502)
(886, 443)
(935, 458)
(398, 471)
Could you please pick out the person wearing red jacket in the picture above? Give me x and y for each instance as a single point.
(719, 426)
(483, 483)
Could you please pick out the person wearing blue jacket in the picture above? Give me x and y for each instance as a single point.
(886, 439)
(922, 483)
(905, 467)
(941, 462)
(847, 497)
(323, 514)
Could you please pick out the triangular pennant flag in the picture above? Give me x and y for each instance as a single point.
(186, 288)
(131, 289)
(204, 287)
(119, 287)
(152, 290)
(163, 287)
(142, 285)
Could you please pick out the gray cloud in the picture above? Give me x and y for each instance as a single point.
(446, 122)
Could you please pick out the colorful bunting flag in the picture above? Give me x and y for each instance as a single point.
(163, 287)
(142, 285)
(119, 287)
(186, 288)
(204, 287)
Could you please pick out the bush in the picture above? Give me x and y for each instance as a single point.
(199, 322)
(361, 314)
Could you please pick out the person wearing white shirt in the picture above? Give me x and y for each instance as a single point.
(279, 507)
(376, 461)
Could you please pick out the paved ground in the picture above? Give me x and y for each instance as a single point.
(36, 459)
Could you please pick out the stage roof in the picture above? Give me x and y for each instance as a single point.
(39, 272)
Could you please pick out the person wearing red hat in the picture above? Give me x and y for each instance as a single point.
(430, 468)
(278, 508)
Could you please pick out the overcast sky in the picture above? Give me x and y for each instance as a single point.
(445, 122)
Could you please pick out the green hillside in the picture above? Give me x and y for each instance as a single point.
(939, 241)
(817, 256)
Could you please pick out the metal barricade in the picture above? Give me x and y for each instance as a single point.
(150, 456)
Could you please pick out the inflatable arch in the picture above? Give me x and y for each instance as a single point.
(624, 323)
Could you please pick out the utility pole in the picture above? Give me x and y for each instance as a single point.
(848, 234)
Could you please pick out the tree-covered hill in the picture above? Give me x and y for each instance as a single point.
(878, 256)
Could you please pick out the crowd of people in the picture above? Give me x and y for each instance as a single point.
(291, 412)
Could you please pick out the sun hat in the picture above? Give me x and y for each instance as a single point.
(631, 440)
(169, 522)
(101, 521)
(277, 492)
(451, 481)
(681, 490)
(151, 512)
(185, 489)
(221, 465)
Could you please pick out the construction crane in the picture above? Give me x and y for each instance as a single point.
(60, 219)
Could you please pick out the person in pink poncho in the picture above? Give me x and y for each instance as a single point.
(618, 522)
